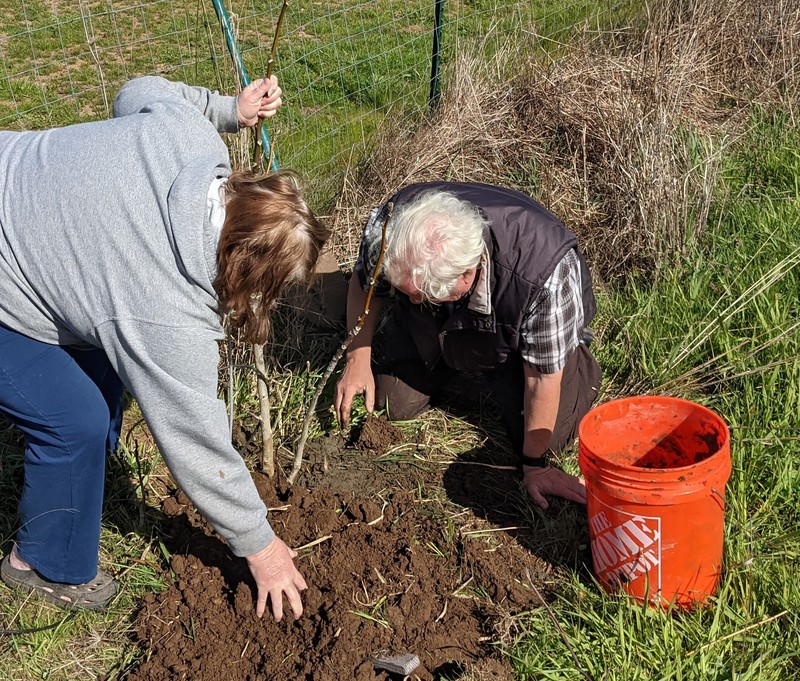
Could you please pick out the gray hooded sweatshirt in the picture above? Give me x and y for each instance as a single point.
(105, 242)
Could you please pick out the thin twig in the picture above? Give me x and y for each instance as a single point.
(313, 543)
(478, 463)
(267, 440)
(267, 463)
(488, 530)
(298, 457)
(736, 633)
(258, 153)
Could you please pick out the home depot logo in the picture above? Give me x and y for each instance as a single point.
(626, 547)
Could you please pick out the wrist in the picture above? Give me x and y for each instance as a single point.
(359, 355)
(542, 461)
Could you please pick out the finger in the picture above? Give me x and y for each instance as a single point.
(276, 600)
(369, 399)
(538, 499)
(344, 409)
(262, 86)
(341, 417)
(267, 106)
(254, 90)
(273, 96)
(574, 495)
(576, 490)
(261, 604)
(296, 603)
(271, 111)
(580, 485)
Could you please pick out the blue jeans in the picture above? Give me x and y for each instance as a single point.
(68, 404)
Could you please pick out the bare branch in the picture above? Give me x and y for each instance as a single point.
(298, 457)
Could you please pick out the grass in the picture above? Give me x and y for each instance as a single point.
(347, 68)
(717, 324)
(719, 328)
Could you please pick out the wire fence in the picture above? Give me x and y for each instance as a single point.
(345, 67)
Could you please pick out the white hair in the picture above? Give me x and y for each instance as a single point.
(433, 241)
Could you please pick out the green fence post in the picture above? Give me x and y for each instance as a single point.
(241, 72)
(438, 11)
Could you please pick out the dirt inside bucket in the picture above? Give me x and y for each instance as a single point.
(678, 450)
(423, 557)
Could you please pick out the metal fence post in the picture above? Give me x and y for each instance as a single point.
(438, 11)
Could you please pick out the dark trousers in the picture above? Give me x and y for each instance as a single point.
(405, 387)
(68, 405)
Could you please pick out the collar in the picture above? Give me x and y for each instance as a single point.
(216, 205)
(480, 300)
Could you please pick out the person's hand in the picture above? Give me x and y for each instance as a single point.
(552, 481)
(260, 99)
(356, 379)
(276, 577)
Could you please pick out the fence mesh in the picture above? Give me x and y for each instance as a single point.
(344, 66)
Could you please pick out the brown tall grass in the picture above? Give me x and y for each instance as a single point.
(619, 133)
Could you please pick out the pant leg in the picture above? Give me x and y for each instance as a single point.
(96, 366)
(404, 385)
(405, 389)
(67, 423)
(579, 385)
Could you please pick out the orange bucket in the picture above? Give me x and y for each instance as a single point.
(655, 470)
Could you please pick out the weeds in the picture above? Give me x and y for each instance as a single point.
(686, 197)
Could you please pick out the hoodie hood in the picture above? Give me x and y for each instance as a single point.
(195, 250)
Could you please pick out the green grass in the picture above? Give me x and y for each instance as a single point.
(719, 328)
(345, 68)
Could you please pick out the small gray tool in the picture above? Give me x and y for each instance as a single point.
(396, 664)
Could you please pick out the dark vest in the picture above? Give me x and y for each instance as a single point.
(525, 243)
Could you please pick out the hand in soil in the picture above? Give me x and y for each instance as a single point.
(554, 482)
(356, 379)
(276, 576)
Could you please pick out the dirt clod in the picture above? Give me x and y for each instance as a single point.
(377, 434)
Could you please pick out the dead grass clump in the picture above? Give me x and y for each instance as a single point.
(619, 134)
(466, 139)
(614, 159)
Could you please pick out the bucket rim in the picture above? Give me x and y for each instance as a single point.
(589, 454)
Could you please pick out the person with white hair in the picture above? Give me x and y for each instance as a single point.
(481, 278)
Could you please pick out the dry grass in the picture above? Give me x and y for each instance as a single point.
(619, 134)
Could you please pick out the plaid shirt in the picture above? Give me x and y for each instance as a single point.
(553, 324)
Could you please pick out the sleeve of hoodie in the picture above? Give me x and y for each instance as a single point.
(151, 93)
(172, 373)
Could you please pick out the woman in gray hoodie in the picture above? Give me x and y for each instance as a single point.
(123, 245)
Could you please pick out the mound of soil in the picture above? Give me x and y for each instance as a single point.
(394, 567)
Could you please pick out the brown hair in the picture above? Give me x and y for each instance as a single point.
(269, 239)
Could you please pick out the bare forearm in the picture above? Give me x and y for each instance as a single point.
(541, 398)
(357, 375)
(361, 345)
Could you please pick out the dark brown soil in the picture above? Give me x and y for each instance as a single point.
(395, 561)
